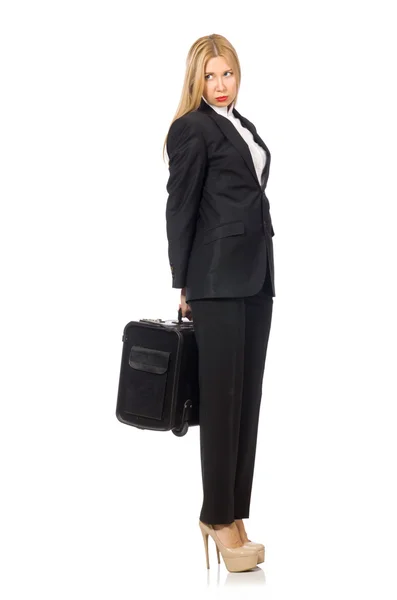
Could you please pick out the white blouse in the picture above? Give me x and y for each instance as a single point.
(257, 152)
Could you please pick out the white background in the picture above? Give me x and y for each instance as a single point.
(93, 508)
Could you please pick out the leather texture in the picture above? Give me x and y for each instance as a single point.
(218, 221)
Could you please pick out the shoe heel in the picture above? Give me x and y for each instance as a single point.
(205, 538)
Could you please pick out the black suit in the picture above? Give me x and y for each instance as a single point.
(220, 247)
(219, 226)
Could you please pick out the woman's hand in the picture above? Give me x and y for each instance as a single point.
(186, 310)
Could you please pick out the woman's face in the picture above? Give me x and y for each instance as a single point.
(219, 81)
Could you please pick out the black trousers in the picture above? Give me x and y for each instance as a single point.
(232, 336)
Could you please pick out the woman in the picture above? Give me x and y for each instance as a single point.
(220, 250)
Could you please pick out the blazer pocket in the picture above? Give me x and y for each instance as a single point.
(224, 230)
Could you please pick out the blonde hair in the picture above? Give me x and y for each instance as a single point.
(203, 49)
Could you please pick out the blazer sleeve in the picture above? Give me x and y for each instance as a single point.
(187, 152)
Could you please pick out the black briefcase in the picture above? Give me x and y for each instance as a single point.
(158, 385)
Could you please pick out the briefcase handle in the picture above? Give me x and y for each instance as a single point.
(180, 316)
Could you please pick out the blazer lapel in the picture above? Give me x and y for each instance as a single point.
(237, 140)
(261, 143)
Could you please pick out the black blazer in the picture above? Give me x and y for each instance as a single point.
(219, 227)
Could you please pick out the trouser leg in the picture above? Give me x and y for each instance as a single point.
(219, 326)
(258, 315)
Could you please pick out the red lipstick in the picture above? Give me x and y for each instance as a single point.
(222, 98)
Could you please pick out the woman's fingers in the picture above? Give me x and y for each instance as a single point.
(186, 310)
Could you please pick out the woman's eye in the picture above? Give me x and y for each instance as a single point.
(210, 75)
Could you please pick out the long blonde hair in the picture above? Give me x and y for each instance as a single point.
(203, 49)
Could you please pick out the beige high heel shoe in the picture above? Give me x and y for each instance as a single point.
(235, 559)
(260, 548)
